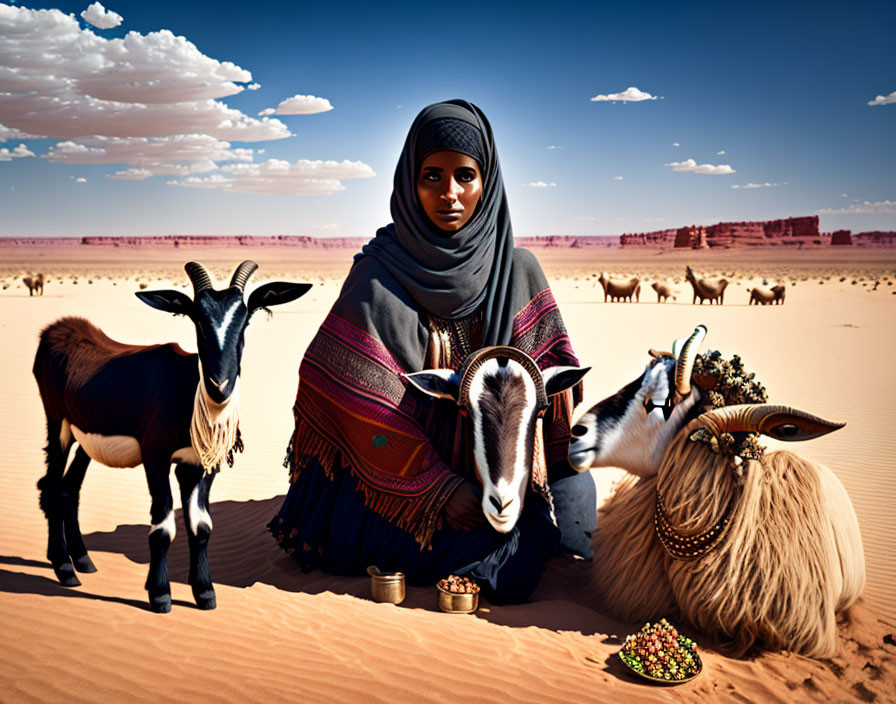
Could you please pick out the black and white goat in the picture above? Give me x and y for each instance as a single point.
(156, 405)
(505, 395)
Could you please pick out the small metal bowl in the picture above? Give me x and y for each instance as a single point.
(453, 603)
(386, 587)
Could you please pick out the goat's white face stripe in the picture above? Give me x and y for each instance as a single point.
(221, 330)
(509, 493)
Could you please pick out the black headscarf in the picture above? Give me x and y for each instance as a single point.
(451, 275)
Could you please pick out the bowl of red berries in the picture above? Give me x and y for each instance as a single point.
(458, 595)
(659, 653)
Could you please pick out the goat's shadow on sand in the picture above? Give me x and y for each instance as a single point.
(243, 552)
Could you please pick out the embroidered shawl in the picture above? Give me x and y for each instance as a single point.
(355, 413)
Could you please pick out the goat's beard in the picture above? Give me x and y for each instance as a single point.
(213, 428)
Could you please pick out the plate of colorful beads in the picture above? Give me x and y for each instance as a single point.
(659, 653)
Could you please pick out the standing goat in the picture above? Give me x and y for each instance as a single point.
(620, 290)
(760, 296)
(155, 405)
(34, 284)
(779, 291)
(663, 291)
(505, 395)
(753, 549)
(713, 290)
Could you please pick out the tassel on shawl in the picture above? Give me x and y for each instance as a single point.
(418, 516)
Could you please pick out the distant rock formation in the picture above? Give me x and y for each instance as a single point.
(731, 234)
(841, 237)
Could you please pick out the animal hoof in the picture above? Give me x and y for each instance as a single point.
(206, 600)
(160, 604)
(65, 573)
(85, 564)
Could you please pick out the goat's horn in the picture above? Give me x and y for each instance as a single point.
(199, 276)
(685, 356)
(242, 274)
(779, 422)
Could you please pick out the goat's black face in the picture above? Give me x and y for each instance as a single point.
(221, 317)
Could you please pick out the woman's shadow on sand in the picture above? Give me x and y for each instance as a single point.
(242, 552)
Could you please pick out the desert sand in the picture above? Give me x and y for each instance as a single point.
(279, 633)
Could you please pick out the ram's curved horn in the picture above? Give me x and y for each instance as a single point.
(242, 274)
(199, 276)
(779, 422)
(685, 355)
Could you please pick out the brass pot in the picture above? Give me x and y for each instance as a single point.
(386, 587)
(453, 603)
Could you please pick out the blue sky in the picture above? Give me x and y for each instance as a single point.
(755, 111)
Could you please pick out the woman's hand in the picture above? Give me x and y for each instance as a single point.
(463, 510)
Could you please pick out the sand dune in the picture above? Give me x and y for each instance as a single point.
(314, 637)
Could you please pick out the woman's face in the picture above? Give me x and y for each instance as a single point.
(449, 187)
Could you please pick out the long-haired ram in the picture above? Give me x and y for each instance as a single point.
(755, 549)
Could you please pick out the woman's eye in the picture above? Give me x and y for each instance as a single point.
(431, 177)
(466, 176)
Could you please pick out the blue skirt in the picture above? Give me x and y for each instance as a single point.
(324, 523)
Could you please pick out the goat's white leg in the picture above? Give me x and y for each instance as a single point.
(195, 485)
(71, 496)
(160, 534)
(51, 502)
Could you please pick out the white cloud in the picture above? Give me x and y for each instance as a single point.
(299, 105)
(720, 153)
(881, 207)
(8, 133)
(253, 86)
(884, 99)
(19, 152)
(553, 146)
(692, 166)
(675, 144)
(59, 80)
(132, 174)
(81, 180)
(617, 178)
(278, 177)
(629, 94)
(173, 156)
(539, 184)
(99, 16)
(756, 185)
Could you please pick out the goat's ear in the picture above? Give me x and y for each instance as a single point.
(441, 383)
(274, 293)
(557, 379)
(168, 301)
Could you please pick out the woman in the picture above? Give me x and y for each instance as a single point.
(383, 475)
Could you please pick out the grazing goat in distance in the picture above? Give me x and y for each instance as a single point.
(759, 296)
(505, 395)
(753, 548)
(663, 291)
(34, 284)
(156, 405)
(620, 290)
(779, 292)
(713, 290)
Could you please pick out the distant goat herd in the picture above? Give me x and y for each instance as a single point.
(754, 550)
(712, 290)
